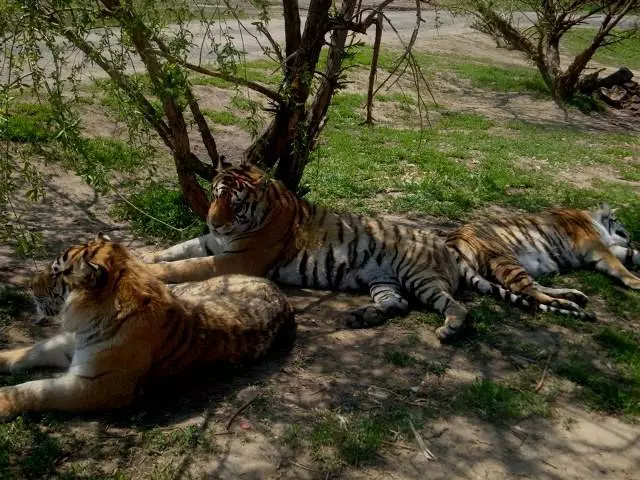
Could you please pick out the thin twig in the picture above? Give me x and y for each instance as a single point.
(544, 373)
(427, 453)
(239, 411)
(400, 445)
(304, 467)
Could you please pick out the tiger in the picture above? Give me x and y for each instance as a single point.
(514, 250)
(259, 227)
(48, 294)
(123, 329)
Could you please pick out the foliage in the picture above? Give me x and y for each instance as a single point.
(41, 42)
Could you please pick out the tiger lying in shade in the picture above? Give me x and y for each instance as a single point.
(259, 227)
(125, 328)
(515, 250)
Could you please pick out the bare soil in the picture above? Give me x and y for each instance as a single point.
(335, 369)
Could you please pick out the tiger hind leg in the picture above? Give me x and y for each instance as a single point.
(509, 273)
(571, 294)
(388, 302)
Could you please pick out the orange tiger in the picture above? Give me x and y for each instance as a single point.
(125, 328)
(515, 250)
(259, 227)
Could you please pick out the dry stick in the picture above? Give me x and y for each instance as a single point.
(399, 445)
(239, 411)
(427, 453)
(304, 467)
(544, 373)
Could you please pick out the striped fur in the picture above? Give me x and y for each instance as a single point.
(515, 250)
(49, 295)
(258, 227)
(124, 328)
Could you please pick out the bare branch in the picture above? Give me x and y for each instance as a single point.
(374, 68)
(276, 48)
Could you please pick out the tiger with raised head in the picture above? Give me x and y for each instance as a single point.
(125, 328)
(514, 250)
(259, 227)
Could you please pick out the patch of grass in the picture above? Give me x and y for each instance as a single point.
(624, 348)
(399, 358)
(180, 440)
(159, 202)
(621, 54)
(13, 301)
(619, 300)
(27, 450)
(213, 81)
(29, 123)
(113, 155)
(356, 444)
(502, 79)
(224, 118)
(613, 391)
(497, 403)
(464, 162)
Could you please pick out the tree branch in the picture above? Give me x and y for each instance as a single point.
(267, 92)
(291, 28)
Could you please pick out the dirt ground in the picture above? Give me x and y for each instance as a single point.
(332, 369)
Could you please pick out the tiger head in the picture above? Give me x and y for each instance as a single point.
(612, 231)
(90, 275)
(239, 199)
(49, 294)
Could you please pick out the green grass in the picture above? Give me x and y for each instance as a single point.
(622, 54)
(611, 390)
(460, 165)
(338, 439)
(29, 123)
(400, 358)
(164, 204)
(13, 301)
(497, 403)
(113, 155)
(224, 118)
(27, 450)
(502, 79)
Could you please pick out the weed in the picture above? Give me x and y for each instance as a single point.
(400, 358)
(223, 118)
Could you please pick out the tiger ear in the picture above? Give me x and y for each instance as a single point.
(89, 274)
(102, 237)
(223, 163)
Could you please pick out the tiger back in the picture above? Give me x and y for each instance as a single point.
(514, 250)
(124, 328)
